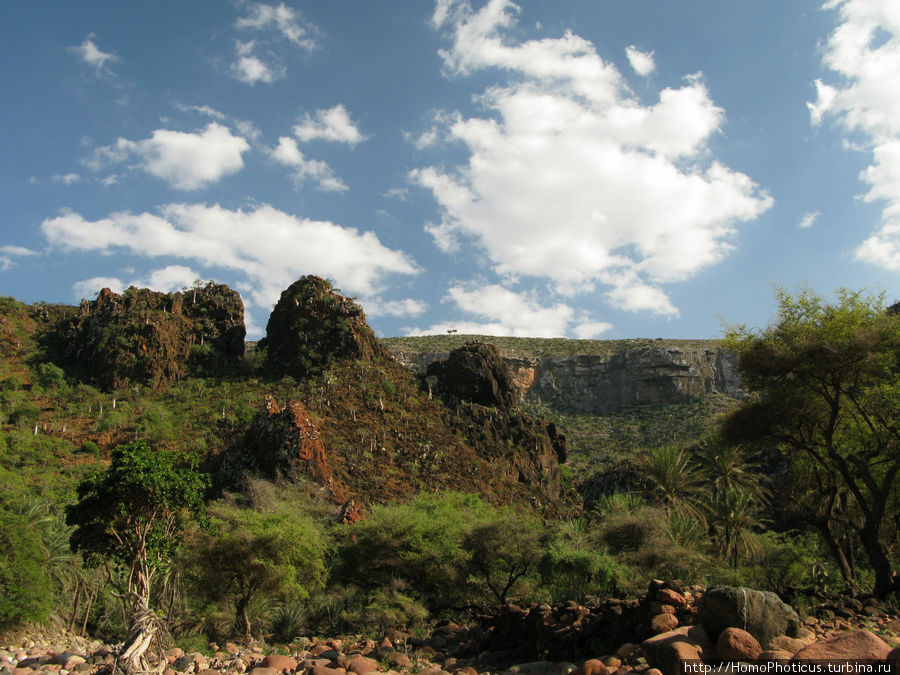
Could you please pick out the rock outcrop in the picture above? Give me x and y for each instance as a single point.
(312, 325)
(280, 443)
(477, 382)
(648, 374)
(146, 337)
(474, 372)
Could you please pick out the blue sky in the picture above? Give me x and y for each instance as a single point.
(594, 169)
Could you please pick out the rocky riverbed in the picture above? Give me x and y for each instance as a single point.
(650, 636)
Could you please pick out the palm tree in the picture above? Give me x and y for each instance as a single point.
(669, 467)
(733, 519)
(730, 466)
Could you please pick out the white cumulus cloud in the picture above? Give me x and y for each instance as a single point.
(186, 161)
(571, 178)
(289, 154)
(500, 311)
(92, 55)
(641, 62)
(66, 179)
(864, 52)
(87, 289)
(267, 248)
(333, 124)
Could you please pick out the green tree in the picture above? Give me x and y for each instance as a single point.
(669, 468)
(827, 381)
(247, 553)
(132, 516)
(25, 586)
(504, 551)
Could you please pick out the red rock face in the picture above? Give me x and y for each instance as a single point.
(290, 443)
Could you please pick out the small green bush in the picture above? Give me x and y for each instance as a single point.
(90, 448)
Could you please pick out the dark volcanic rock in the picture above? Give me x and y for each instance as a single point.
(475, 372)
(760, 613)
(152, 338)
(312, 325)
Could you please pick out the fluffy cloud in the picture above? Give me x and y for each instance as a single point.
(504, 312)
(88, 289)
(187, 161)
(405, 307)
(333, 124)
(268, 247)
(641, 62)
(250, 69)
(572, 178)
(288, 22)
(864, 50)
(8, 253)
(92, 55)
(288, 154)
(279, 20)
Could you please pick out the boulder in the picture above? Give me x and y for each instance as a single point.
(773, 655)
(760, 613)
(787, 644)
(592, 667)
(280, 662)
(663, 623)
(670, 597)
(362, 665)
(666, 651)
(859, 644)
(735, 644)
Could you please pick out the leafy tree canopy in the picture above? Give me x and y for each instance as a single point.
(827, 381)
(131, 513)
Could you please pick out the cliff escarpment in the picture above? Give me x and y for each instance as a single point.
(605, 377)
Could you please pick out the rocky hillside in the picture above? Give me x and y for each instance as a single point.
(320, 399)
(365, 429)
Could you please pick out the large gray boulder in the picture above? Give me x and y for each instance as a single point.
(760, 613)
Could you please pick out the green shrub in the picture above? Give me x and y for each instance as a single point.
(14, 382)
(50, 376)
(25, 586)
(90, 448)
(393, 607)
(254, 556)
(420, 544)
(571, 574)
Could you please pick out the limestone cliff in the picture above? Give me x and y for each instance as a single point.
(672, 371)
